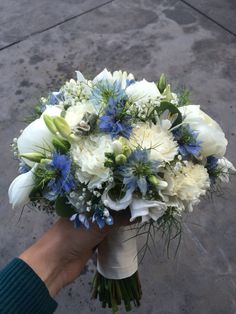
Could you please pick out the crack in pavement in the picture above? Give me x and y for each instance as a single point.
(102, 5)
(54, 25)
(208, 17)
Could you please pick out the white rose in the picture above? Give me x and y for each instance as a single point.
(75, 114)
(21, 188)
(210, 133)
(157, 138)
(143, 91)
(36, 137)
(89, 154)
(187, 183)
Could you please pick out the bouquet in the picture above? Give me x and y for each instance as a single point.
(115, 143)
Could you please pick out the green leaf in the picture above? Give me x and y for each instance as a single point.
(63, 209)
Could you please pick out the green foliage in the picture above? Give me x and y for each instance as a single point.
(63, 209)
(184, 98)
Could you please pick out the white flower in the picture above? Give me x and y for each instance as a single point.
(187, 183)
(210, 133)
(119, 76)
(119, 204)
(52, 111)
(89, 154)
(226, 168)
(157, 138)
(147, 209)
(21, 188)
(75, 114)
(143, 91)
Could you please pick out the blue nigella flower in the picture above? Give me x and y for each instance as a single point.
(129, 82)
(62, 181)
(186, 138)
(115, 119)
(104, 90)
(23, 168)
(137, 169)
(55, 97)
(212, 167)
(80, 220)
(102, 217)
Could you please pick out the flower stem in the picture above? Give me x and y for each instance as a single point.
(111, 292)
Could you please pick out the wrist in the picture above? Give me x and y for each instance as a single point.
(45, 261)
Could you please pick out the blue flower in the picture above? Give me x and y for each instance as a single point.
(186, 138)
(212, 168)
(23, 168)
(54, 98)
(115, 119)
(104, 90)
(80, 220)
(136, 171)
(102, 217)
(129, 82)
(62, 181)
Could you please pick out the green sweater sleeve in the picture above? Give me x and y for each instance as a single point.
(22, 291)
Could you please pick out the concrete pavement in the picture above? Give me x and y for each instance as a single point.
(194, 43)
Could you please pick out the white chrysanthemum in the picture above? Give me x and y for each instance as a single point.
(75, 114)
(157, 138)
(189, 183)
(89, 155)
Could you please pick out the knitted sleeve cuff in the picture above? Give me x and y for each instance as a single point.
(22, 291)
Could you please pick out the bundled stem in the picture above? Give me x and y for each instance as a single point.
(111, 292)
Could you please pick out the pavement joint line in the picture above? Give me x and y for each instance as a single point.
(54, 25)
(208, 17)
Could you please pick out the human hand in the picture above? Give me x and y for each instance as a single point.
(60, 255)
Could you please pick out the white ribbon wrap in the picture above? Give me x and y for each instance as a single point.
(117, 254)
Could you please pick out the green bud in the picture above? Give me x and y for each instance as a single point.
(167, 93)
(62, 126)
(108, 163)
(120, 159)
(45, 161)
(62, 145)
(153, 180)
(161, 84)
(50, 123)
(35, 157)
(126, 150)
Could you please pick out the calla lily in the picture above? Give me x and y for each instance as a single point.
(21, 188)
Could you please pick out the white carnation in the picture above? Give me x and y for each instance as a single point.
(89, 155)
(189, 183)
(157, 138)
